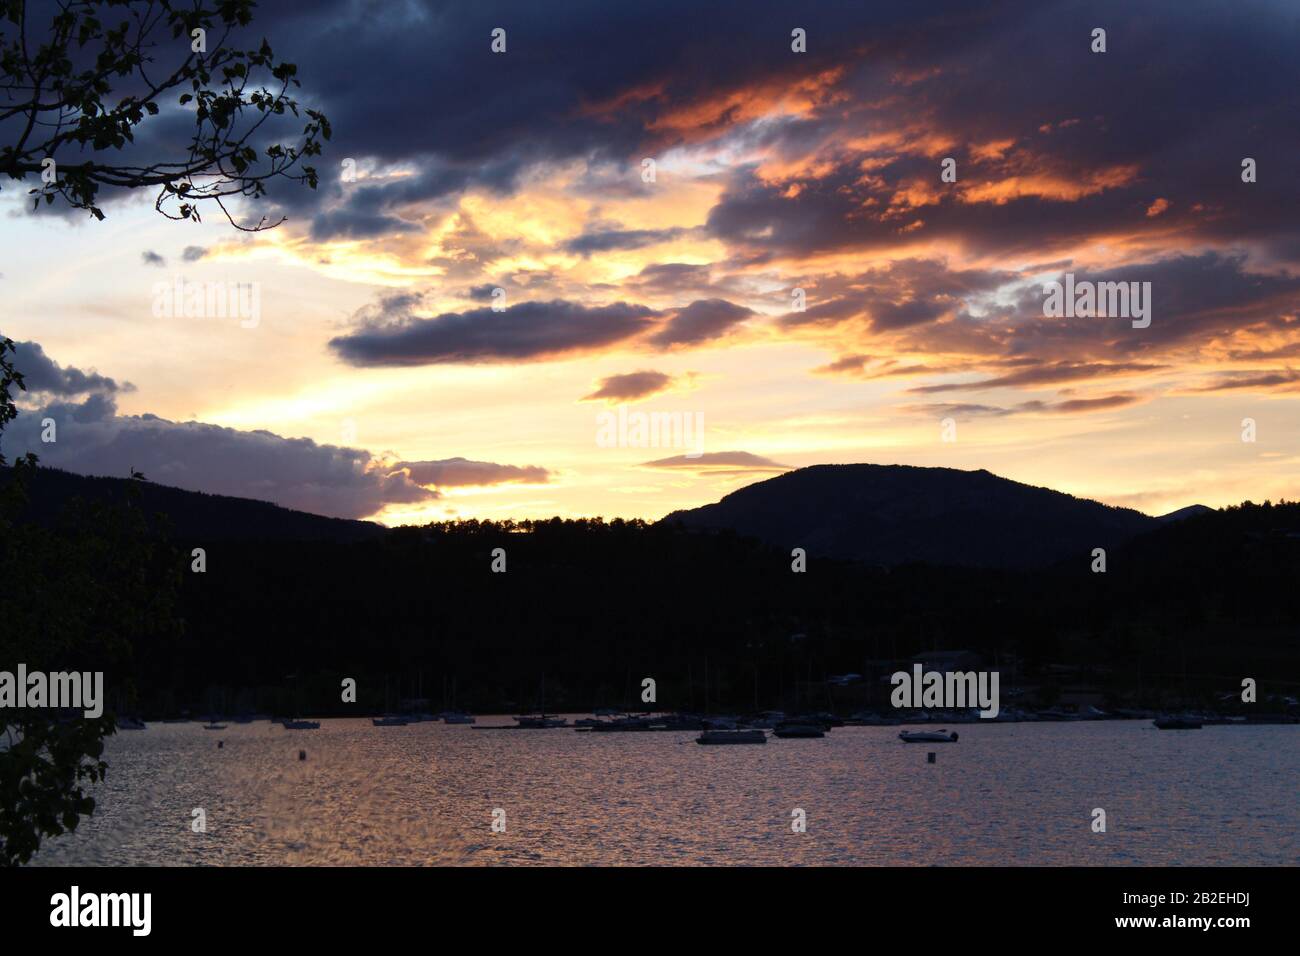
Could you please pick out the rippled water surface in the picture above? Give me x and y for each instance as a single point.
(424, 794)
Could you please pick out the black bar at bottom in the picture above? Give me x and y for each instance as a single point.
(527, 905)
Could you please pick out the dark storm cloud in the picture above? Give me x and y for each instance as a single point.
(1045, 374)
(1075, 405)
(461, 472)
(1194, 299)
(369, 207)
(417, 83)
(92, 439)
(905, 293)
(681, 281)
(1180, 97)
(630, 386)
(671, 277)
(42, 374)
(604, 240)
(836, 213)
(419, 78)
(1146, 138)
(828, 312)
(701, 321)
(390, 333)
(528, 330)
(846, 365)
(894, 315)
(1285, 380)
(347, 223)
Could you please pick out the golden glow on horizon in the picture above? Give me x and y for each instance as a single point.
(764, 386)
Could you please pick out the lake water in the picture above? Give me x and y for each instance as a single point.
(424, 794)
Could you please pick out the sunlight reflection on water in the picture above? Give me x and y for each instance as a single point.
(1006, 794)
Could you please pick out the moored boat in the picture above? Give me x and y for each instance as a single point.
(540, 722)
(679, 722)
(1177, 723)
(798, 728)
(622, 724)
(732, 737)
(928, 737)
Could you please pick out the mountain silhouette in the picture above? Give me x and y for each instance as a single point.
(1180, 606)
(1182, 514)
(193, 515)
(900, 514)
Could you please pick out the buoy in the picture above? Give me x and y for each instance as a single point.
(302, 755)
(929, 758)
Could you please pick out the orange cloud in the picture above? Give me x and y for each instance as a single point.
(1056, 186)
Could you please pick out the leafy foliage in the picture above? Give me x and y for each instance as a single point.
(75, 91)
(76, 595)
(80, 91)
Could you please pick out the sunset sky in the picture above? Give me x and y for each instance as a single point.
(379, 382)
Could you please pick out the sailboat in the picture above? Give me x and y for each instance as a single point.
(928, 737)
(452, 715)
(389, 719)
(541, 720)
(799, 728)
